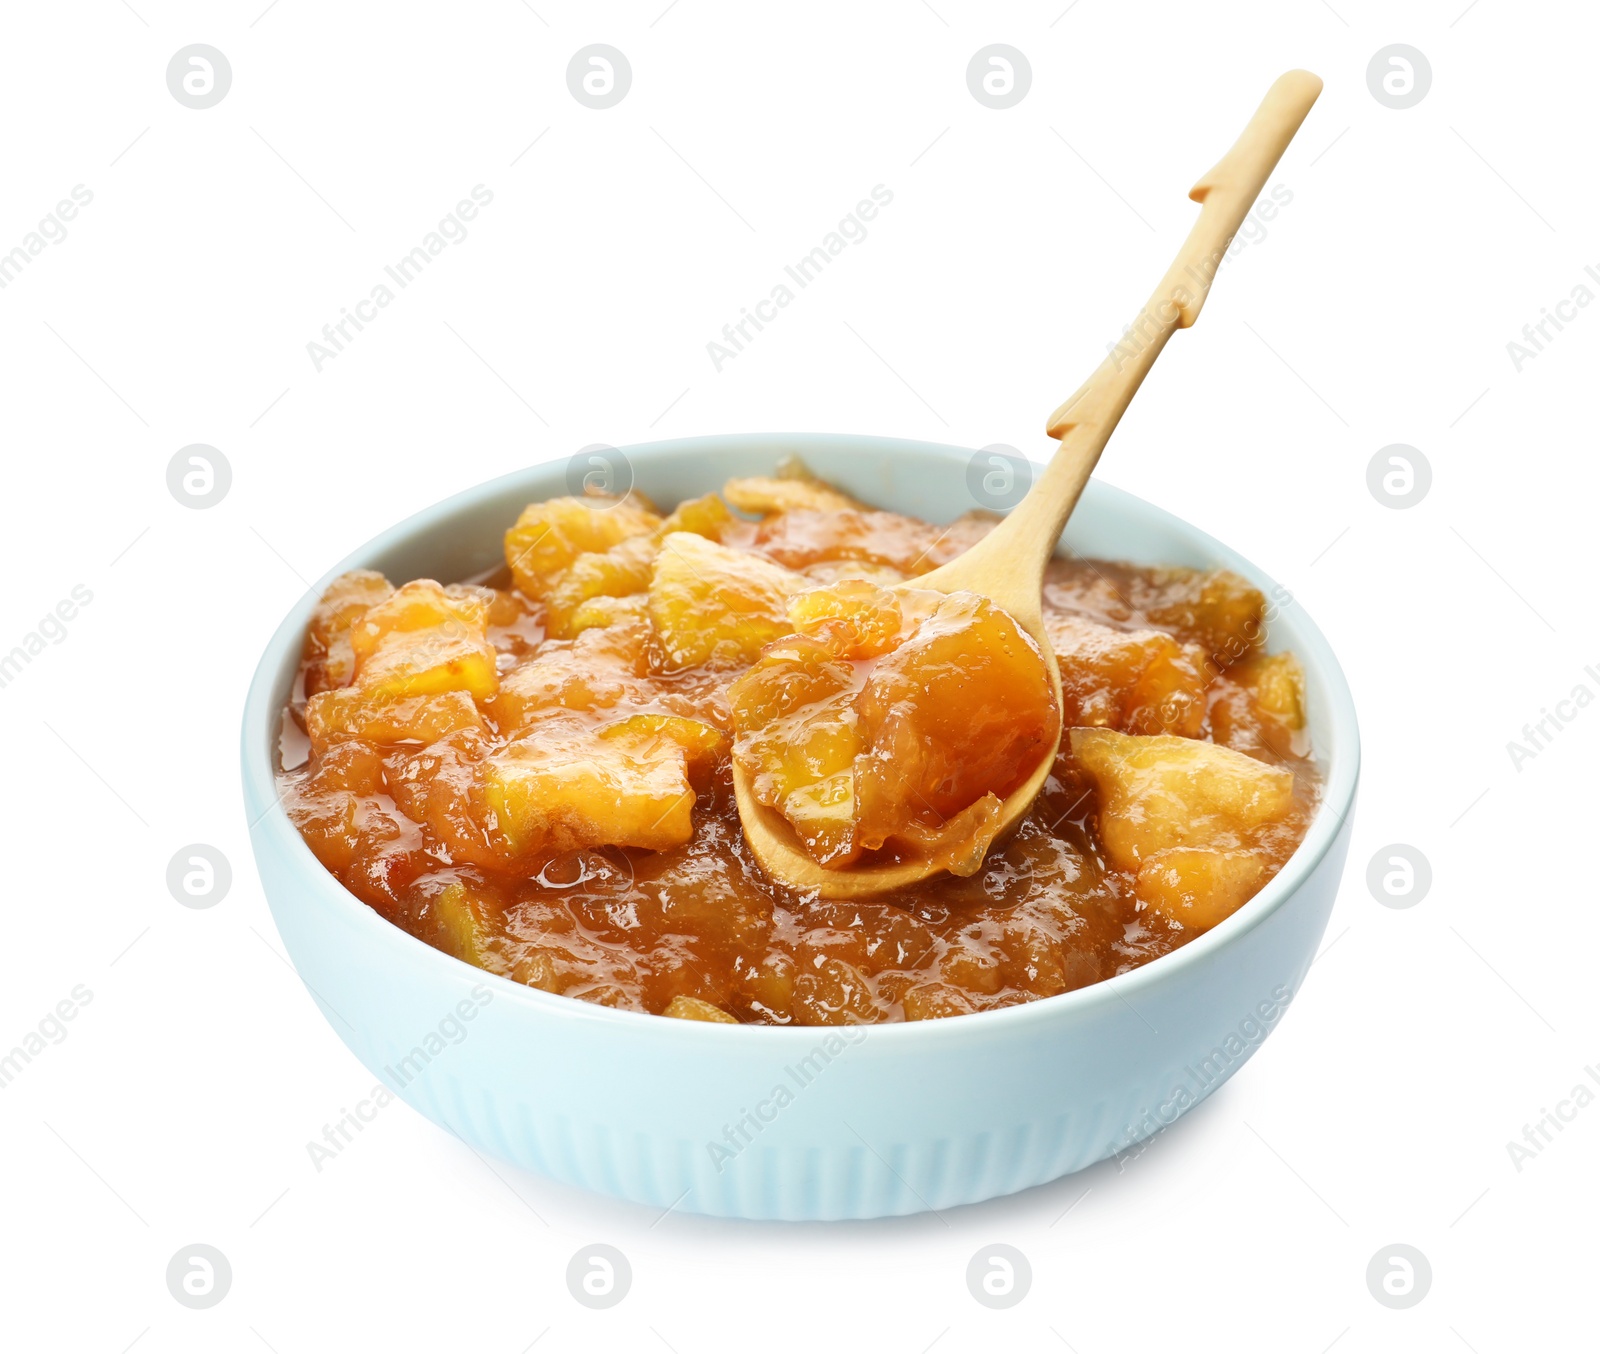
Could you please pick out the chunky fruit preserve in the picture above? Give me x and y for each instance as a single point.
(533, 772)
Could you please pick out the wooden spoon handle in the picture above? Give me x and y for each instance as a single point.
(1228, 192)
(1086, 421)
(1225, 195)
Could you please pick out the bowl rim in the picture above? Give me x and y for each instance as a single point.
(270, 827)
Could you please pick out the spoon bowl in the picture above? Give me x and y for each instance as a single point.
(777, 846)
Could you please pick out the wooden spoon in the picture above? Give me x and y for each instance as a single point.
(1007, 566)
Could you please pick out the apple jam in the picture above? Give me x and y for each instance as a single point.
(533, 772)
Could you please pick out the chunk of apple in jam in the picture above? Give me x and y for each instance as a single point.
(935, 1001)
(834, 992)
(1160, 791)
(794, 716)
(706, 516)
(470, 926)
(693, 1008)
(1259, 707)
(425, 639)
(601, 668)
(1278, 685)
(798, 490)
(1137, 681)
(958, 843)
(621, 571)
(648, 736)
(900, 720)
(347, 818)
(1183, 817)
(615, 572)
(381, 717)
(963, 709)
(710, 603)
(549, 536)
(803, 538)
(598, 613)
(330, 662)
(562, 787)
(1199, 887)
(853, 618)
(1216, 609)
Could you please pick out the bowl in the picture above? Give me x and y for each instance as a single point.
(799, 1123)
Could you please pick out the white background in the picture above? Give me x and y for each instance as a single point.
(1376, 310)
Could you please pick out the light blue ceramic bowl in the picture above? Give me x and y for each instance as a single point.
(753, 1122)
